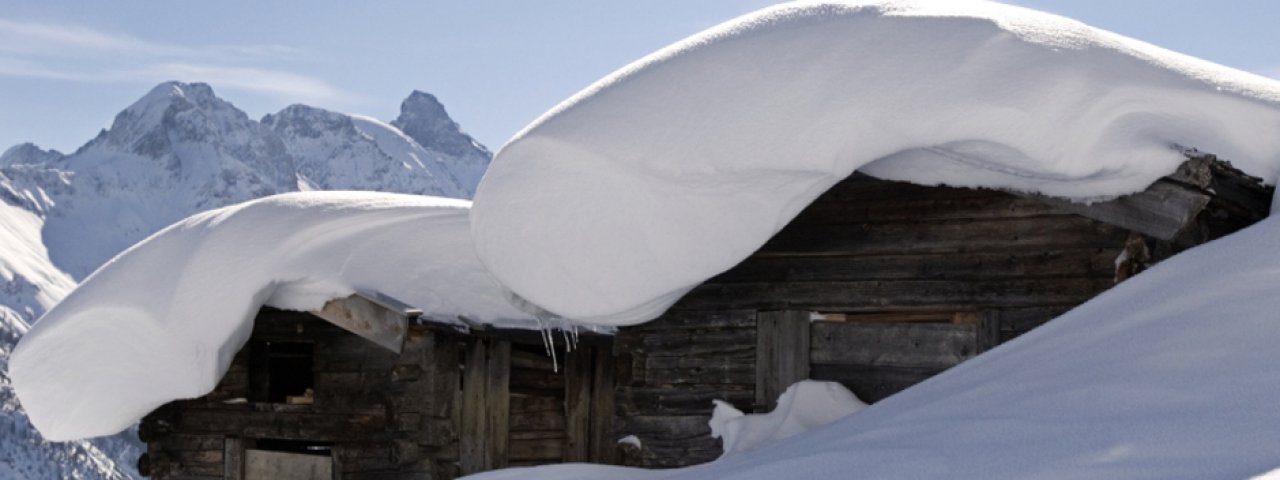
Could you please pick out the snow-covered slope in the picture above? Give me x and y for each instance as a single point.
(678, 166)
(178, 150)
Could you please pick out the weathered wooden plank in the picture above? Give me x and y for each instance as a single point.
(899, 207)
(872, 384)
(603, 440)
(525, 380)
(497, 403)
(474, 419)
(534, 360)
(987, 330)
(286, 466)
(861, 296)
(233, 452)
(710, 343)
(782, 354)
(374, 316)
(540, 450)
(993, 235)
(283, 426)
(1083, 262)
(736, 368)
(523, 404)
(669, 400)
(577, 406)
(922, 345)
(696, 320)
(1160, 211)
(539, 421)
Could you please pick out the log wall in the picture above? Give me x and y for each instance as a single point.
(447, 405)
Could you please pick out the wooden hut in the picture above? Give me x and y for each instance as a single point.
(877, 285)
(367, 388)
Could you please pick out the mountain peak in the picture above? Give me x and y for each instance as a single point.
(170, 111)
(28, 153)
(424, 119)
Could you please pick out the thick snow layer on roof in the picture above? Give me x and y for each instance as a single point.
(681, 164)
(1169, 375)
(163, 320)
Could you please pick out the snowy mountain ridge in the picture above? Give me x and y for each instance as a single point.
(178, 150)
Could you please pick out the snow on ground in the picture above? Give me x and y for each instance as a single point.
(163, 320)
(678, 166)
(806, 405)
(1169, 375)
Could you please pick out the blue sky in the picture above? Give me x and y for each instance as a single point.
(67, 69)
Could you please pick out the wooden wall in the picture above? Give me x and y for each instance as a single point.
(905, 281)
(448, 405)
(382, 413)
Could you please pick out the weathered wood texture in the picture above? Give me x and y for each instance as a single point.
(1004, 262)
(385, 415)
(878, 359)
(485, 405)
(380, 319)
(668, 372)
(782, 354)
(538, 419)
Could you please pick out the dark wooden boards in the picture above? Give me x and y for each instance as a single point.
(485, 405)
(782, 354)
(923, 345)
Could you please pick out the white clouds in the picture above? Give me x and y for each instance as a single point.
(80, 54)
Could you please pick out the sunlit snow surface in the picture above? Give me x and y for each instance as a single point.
(678, 166)
(163, 320)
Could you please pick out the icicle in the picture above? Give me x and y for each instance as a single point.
(568, 342)
(549, 343)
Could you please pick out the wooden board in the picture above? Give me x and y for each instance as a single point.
(782, 354)
(916, 345)
(269, 465)
(371, 318)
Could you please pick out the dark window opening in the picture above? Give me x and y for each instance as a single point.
(281, 372)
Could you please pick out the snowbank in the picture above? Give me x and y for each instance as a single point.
(679, 165)
(806, 405)
(163, 320)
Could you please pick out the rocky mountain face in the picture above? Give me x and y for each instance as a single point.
(179, 150)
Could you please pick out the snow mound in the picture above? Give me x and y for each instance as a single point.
(804, 406)
(678, 166)
(163, 320)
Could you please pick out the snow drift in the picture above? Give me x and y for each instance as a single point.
(163, 320)
(681, 164)
(806, 405)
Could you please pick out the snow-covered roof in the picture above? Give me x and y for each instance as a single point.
(667, 172)
(678, 166)
(163, 320)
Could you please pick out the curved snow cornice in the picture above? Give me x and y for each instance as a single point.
(163, 319)
(614, 204)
